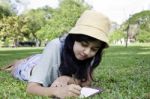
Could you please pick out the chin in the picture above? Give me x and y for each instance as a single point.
(81, 59)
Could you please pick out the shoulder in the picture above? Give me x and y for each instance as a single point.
(54, 43)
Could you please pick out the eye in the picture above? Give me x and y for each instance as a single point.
(94, 49)
(84, 44)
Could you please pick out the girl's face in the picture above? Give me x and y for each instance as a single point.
(84, 49)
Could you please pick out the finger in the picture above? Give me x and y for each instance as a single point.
(75, 89)
(78, 87)
(58, 85)
(77, 92)
(72, 94)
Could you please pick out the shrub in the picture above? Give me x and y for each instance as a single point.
(143, 36)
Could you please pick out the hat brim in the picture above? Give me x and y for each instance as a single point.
(90, 31)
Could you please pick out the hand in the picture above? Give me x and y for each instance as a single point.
(71, 90)
(63, 81)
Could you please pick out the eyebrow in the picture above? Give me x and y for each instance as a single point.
(97, 47)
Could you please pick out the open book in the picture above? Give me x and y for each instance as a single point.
(86, 92)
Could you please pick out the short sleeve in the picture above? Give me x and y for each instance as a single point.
(47, 69)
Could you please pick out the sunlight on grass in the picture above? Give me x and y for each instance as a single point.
(5, 54)
(144, 53)
(122, 74)
(20, 48)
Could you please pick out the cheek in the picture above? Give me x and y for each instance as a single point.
(75, 48)
(92, 54)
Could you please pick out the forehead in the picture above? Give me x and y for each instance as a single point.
(88, 39)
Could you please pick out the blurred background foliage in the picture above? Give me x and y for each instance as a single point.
(43, 24)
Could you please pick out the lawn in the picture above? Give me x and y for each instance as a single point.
(123, 74)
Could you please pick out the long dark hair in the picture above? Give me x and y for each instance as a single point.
(71, 66)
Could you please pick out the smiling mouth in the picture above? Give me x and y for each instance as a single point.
(82, 56)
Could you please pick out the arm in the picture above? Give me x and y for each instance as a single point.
(63, 81)
(35, 88)
(71, 90)
(66, 80)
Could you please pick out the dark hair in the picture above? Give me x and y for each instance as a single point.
(71, 66)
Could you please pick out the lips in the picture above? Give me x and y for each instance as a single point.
(82, 56)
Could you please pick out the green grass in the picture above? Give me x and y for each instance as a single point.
(123, 74)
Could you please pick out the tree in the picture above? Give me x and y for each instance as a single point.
(5, 9)
(36, 19)
(63, 18)
(11, 29)
(116, 35)
(141, 22)
(143, 19)
(42, 24)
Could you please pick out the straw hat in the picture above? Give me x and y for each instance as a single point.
(94, 24)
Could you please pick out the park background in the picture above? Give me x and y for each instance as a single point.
(124, 72)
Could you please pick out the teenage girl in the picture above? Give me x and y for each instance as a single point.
(66, 63)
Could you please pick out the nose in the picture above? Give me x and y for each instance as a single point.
(87, 51)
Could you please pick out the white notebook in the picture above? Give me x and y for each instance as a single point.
(86, 92)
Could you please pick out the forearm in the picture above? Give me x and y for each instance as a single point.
(71, 90)
(37, 89)
(66, 80)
